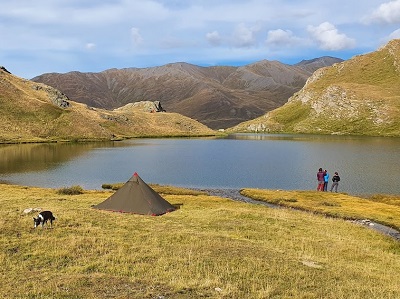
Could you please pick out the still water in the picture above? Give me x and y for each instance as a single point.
(290, 162)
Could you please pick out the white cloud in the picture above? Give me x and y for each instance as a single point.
(90, 46)
(136, 36)
(386, 13)
(395, 34)
(214, 38)
(244, 36)
(329, 37)
(280, 37)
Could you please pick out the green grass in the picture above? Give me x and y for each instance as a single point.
(291, 114)
(209, 248)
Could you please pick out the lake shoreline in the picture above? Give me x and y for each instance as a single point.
(234, 194)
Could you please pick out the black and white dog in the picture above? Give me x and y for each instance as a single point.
(42, 218)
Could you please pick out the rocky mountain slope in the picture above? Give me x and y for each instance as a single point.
(32, 112)
(358, 96)
(219, 97)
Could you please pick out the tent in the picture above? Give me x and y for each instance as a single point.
(135, 196)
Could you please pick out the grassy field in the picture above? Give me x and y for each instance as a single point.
(210, 247)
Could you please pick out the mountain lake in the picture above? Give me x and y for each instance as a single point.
(366, 165)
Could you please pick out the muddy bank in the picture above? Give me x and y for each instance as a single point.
(234, 194)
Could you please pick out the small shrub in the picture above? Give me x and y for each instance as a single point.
(112, 186)
(106, 186)
(73, 190)
(290, 199)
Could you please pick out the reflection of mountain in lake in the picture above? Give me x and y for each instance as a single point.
(41, 156)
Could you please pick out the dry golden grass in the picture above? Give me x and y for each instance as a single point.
(386, 198)
(380, 208)
(209, 248)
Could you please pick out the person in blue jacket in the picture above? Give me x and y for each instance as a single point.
(326, 180)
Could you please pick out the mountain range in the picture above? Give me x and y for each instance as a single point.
(219, 96)
(360, 96)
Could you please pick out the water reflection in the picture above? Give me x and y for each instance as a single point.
(290, 162)
(33, 157)
(312, 137)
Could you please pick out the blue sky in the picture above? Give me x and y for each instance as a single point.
(44, 36)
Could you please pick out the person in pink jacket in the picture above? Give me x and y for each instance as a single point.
(320, 179)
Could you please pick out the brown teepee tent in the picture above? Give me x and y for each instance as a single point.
(135, 196)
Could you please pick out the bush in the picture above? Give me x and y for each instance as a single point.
(106, 186)
(112, 186)
(73, 190)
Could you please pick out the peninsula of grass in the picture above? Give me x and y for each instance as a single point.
(384, 209)
(210, 247)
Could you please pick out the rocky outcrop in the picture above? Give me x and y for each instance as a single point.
(2, 68)
(56, 97)
(145, 106)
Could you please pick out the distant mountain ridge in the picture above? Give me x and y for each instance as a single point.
(218, 96)
(359, 96)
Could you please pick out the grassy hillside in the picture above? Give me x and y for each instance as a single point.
(32, 112)
(210, 248)
(359, 96)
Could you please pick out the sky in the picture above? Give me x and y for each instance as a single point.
(46, 36)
